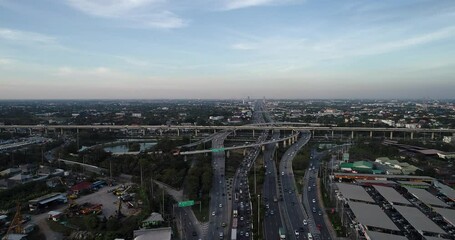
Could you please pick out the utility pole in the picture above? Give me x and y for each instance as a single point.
(110, 167)
(163, 202)
(254, 166)
(259, 214)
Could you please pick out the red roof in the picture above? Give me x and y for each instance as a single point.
(81, 186)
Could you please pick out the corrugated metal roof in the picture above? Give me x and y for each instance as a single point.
(371, 215)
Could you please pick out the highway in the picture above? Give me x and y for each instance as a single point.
(275, 126)
(291, 205)
(252, 145)
(311, 201)
(272, 214)
(218, 198)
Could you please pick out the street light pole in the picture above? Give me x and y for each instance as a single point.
(259, 214)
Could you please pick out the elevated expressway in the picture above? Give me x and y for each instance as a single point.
(290, 139)
(284, 126)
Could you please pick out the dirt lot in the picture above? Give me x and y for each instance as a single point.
(108, 199)
(102, 196)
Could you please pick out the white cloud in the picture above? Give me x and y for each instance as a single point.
(100, 72)
(23, 36)
(139, 13)
(6, 61)
(413, 41)
(237, 4)
(243, 46)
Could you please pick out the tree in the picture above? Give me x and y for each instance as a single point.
(142, 163)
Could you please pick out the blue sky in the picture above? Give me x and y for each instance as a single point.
(150, 49)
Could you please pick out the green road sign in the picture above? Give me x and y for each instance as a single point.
(217, 149)
(186, 203)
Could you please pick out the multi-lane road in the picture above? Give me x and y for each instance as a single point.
(218, 199)
(283, 206)
(292, 206)
(272, 217)
(312, 203)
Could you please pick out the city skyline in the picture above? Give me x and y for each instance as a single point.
(207, 49)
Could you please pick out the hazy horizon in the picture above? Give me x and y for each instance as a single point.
(226, 49)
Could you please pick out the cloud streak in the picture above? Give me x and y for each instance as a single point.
(238, 4)
(24, 36)
(137, 13)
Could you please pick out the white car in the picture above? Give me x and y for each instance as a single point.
(213, 213)
(314, 200)
(305, 222)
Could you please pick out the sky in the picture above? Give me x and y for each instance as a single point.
(205, 49)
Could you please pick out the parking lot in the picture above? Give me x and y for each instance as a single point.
(108, 199)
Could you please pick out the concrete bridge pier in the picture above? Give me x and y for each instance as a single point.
(391, 135)
(185, 158)
(284, 143)
(178, 132)
(371, 134)
(77, 138)
(277, 145)
(61, 131)
(235, 134)
(228, 154)
(332, 134)
(30, 131)
(432, 136)
(352, 135)
(312, 133)
(253, 132)
(412, 135)
(244, 152)
(161, 132)
(143, 132)
(195, 132)
(263, 148)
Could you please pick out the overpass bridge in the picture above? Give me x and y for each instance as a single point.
(290, 140)
(283, 126)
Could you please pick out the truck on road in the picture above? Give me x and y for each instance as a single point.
(234, 234)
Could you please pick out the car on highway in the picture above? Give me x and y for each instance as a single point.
(213, 213)
(296, 232)
(305, 222)
(221, 205)
(314, 200)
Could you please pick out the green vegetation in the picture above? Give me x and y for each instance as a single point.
(334, 217)
(198, 181)
(371, 150)
(202, 212)
(233, 162)
(23, 194)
